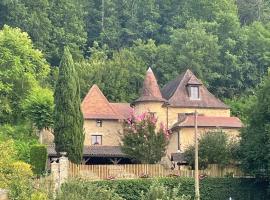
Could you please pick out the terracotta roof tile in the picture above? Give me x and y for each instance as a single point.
(96, 106)
(210, 121)
(150, 90)
(194, 81)
(176, 93)
(122, 108)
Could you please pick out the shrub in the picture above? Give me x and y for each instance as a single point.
(210, 188)
(39, 196)
(20, 186)
(141, 140)
(23, 138)
(158, 191)
(14, 175)
(38, 159)
(81, 190)
(214, 148)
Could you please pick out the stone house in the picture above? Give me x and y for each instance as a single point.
(174, 105)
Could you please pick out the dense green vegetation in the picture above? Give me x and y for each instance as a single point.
(255, 142)
(68, 118)
(214, 148)
(38, 159)
(15, 175)
(226, 42)
(210, 188)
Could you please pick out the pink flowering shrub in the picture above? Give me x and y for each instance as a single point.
(143, 140)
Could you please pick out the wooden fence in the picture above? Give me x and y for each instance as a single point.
(95, 172)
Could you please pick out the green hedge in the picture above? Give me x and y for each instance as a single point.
(210, 188)
(38, 159)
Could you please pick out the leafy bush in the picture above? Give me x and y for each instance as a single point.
(210, 188)
(81, 190)
(158, 191)
(22, 137)
(39, 196)
(14, 175)
(214, 148)
(38, 159)
(20, 186)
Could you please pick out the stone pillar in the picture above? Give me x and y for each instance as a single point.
(55, 173)
(63, 166)
(3, 194)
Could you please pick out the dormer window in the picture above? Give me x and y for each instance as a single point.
(99, 123)
(194, 93)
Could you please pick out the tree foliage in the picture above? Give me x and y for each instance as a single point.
(214, 148)
(255, 142)
(68, 118)
(142, 141)
(168, 36)
(38, 107)
(21, 68)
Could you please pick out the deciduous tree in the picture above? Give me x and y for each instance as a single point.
(143, 140)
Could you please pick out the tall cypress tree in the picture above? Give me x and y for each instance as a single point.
(68, 118)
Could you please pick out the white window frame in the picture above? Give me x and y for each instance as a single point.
(193, 95)
(94, 139)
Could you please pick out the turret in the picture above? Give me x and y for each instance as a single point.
(150, 91)
(150, 99)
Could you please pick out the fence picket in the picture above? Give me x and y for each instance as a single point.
(136, 170)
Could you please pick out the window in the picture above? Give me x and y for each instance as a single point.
(194, 92)
(96, 139)
(99, 123)
(152, 114)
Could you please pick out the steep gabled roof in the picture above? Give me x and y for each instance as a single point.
(150, 90)
(176, 93)
(96, 106)
(194, 81)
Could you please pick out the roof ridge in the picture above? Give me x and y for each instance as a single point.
(181, 81)
(99, 94)
(170, 82)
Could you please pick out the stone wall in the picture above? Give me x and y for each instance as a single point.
(111, 131)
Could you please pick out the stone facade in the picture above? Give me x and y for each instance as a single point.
(110, 131)
(186, 137)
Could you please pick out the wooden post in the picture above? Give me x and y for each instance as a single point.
(197, 190)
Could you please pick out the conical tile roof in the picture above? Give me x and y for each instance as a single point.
(96, 106)
(150, 90)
